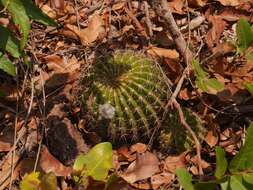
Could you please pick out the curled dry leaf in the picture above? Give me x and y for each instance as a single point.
(211, 138)
(174, 162)
(92, 32)
(204, 164)
(162, 52)
(214, 34)
(143, 167)
(139, 148)
(49, 163)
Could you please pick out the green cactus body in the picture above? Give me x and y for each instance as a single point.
(125, 95)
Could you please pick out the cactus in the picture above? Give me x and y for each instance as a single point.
(125, 96)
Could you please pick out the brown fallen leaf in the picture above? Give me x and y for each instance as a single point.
(229, 2)
(174, 162)
(139, 148)
(211, 138)
(6, 170)
(214, 34)
(204, 164)
(91, 33)
(143, 167)
(162, 52)
(6, 139)
(197, 3)
(164, 178)
(57, 4)
(49, 163)
(176, 6)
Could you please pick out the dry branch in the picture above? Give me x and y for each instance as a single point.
(163, 11)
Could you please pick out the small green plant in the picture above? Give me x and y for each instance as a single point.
(234, 175)
(244, 35)
(203, 80)
(12, 45)
(96, 164)
(125, 97)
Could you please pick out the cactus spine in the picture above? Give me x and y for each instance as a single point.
(125, 94)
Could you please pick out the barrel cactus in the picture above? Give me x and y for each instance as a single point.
(125, 96)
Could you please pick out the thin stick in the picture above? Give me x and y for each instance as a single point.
(188, 128)
(163, 10)
(148, 21)
(136, 23)
(43, 125)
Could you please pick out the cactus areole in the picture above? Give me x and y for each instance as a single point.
(126, 94)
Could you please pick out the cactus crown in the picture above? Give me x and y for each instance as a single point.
(125, 93)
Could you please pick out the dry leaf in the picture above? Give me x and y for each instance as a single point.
(139, 148)
(214, 34)
(197, 3)
(174, 162)
(92, 32)
(162, 52)
(49, 163)
(204, 164)
(6, 139)
(118, 5)
(143, 167)
(211, 139)
(229, 2)
(176, 6)
(58, 4)
(49, 11)
(164, 178)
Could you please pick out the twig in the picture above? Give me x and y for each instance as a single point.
(163, 10)
(148, 21)
(188, 128)
(136, 23)
(44, 119)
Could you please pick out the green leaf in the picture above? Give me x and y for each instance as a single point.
(248, 177)
(225, 185)
(97, 162)
(199, 72)
(214, 85)
(203, 82)
(48, 182)
(244, 35)
(19, 16)
(243, 159)
(36, 14)
(185, 179)
(9, 43)
(205, 186)
(236, 183)
(249, 87)
(6, 65)
(221, 162)
(30, 181)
